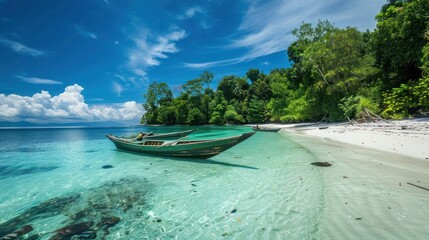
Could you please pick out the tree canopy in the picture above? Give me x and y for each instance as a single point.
(335, 73)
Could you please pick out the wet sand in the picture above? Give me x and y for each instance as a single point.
(371, 190)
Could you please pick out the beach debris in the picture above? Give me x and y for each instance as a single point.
(427, 189)
(321, 164)
(16, 234)
(234, 210)
(107, 166)
(325, 127)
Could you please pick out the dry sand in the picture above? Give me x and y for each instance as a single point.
(368, 191)
(406, 137)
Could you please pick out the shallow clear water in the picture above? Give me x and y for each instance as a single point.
(262, 188)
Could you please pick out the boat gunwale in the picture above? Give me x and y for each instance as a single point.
(141, 143)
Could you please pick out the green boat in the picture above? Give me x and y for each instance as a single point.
(266, 129)
(180, 147)
(159, 136)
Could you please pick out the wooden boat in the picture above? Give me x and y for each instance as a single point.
(266, 129)
(180, 147)
(163, 136)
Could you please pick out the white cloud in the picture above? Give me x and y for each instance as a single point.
(190, 12)
(267, 26)
(69, 106)
(266, 63)
(117, 88)
(21, 48)
(148, 52)
(84, 33)
(35, 80)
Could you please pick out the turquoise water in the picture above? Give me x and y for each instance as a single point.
(263, 188)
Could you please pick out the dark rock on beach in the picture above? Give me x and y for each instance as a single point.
(321, 164)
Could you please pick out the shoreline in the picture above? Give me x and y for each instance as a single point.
(409, 138)
(378, 191)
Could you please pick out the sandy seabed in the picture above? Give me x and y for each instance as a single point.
(378, 184)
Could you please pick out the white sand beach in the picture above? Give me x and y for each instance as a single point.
(378, 184)
(406, 137)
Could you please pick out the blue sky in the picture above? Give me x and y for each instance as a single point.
(67, 61)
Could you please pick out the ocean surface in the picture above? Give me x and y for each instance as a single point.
(262, 188)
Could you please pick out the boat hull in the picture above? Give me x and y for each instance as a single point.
(187, 149)
(266, 129)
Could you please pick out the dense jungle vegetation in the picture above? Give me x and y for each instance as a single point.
(335, 73)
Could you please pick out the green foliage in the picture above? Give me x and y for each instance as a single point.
(335, 73)
(354, 105)
(253, 74)
(297, 110)
(406, 99)
(257, 111)
(207, 77)
(168, 115)
(398, 40)
(231, 115)
(195, 116)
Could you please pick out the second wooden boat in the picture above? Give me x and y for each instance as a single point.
(158, 136)
(266, 129)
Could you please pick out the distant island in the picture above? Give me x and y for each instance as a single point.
(335, 74)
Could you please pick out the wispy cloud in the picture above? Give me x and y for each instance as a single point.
(148, 51)
(190, 12)
(84, 33)
(267, 26)
(35, 80)
(68, 106)
(21, 48)
(117, 88)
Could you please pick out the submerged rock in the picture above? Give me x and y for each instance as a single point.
(321, 164)
(46, 209)
(87, 235)
(108, 221)
(16, 234)
(95, 205)
(72, 230)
